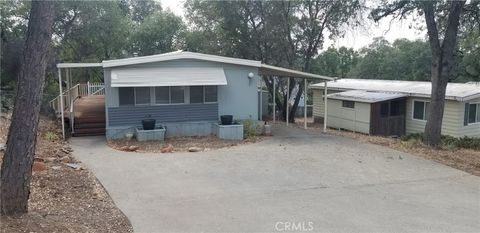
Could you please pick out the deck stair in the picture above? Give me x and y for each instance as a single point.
(84, 109)
(88, 116)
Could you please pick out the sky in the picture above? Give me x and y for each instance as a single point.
(354, 38)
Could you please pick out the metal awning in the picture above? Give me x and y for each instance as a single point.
(168, 76)
(280, 71)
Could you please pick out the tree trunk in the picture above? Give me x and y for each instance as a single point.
(442, 63)
(17, 163)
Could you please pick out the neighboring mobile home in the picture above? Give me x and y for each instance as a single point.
(391, 107)
(184, 91)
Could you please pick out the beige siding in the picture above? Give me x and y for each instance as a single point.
(318, 102)
(452, 120)
(357, 119)
(471, 130)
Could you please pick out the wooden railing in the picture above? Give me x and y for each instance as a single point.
(96, 88)
(69, 96)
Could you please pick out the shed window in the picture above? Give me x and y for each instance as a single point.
(126, 96)
(420, 110)
(348, 104)
(474, 113)
(384, 110)
(210, 94)
(162, 95)
(196, 94)
(396, 108)
(177, 95)
(142, 95)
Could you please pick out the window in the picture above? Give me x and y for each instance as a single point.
(196, 94)
(126, 96)
(396, 108)
(177, 95)
(162, 95)
(474, 113)
(210, 94)
(142, 95)
(384, 110)
(348, 104)
(420, 110)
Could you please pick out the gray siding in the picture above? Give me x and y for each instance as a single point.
(133, 115)
(238, 98)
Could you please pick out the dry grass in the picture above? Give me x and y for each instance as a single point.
(463, 159)
(181, 144)
(63, 199)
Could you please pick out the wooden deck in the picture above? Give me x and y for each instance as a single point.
(89, 115)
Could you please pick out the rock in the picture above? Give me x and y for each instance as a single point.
(3, 146)
(56, 167)
(73, 165)
(133, 148)
(167, 149)
(50, 159)
(65, 159)
(39, 166)
(38, 159)
(194, 149)
(124, 148)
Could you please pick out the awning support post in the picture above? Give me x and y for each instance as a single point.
(274, 101)
(326, 108)
(288, 97)
(61, 101)
(305, 103)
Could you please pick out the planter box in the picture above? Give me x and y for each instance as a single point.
(230, 132)
(157, 134)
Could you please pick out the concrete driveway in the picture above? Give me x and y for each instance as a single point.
(298, 182)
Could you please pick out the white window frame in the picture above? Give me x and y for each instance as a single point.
(205, 102)
(169, 96)
(424, 109)
(135, 97)
(155, 96)
(354, 104)
(476, 114)
(126, 105)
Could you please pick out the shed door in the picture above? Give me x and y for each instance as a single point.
(388, 118)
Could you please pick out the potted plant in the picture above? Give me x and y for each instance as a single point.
(226, 119)
(148, 123)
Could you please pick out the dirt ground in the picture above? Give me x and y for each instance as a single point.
(180, 144)
(62, 199)
(463, 159)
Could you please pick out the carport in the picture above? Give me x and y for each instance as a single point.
(279, 72)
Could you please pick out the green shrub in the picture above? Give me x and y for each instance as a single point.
(51, 136)
(250, 128)
(448, 142)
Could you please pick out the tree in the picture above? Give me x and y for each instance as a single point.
(400, 60)
(158, 33)
(442, 21)
(282, 33)
(21, 141)
(335, 62)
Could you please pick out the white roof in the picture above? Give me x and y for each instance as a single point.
(78, 65)
(365, 96)
(179, 55)
(455, 91)
(263, 69)
(168, 76)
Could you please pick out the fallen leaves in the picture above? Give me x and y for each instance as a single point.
(64, 197)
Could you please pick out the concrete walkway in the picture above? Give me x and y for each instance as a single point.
(316, 183)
